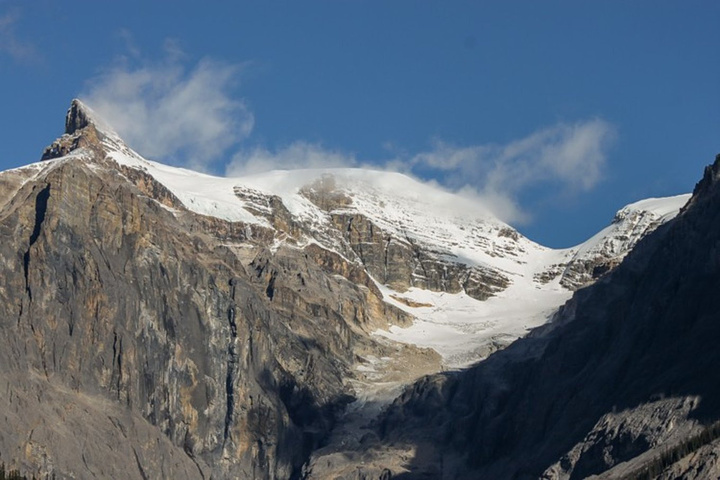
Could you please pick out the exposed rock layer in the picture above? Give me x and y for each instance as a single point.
(185, 336)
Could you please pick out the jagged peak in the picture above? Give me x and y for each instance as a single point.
(710, 177)
(83, 128)
(78, 117)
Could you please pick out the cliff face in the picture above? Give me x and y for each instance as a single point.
(401, 263)
(389, 256)
(142, 341)
(626, 374)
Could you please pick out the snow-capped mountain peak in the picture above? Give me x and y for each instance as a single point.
(606, 249)
(472, 282)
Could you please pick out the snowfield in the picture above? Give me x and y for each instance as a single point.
(463, 330)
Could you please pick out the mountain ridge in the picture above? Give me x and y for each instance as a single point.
(374, 219)
(625, 376)
(235, 344)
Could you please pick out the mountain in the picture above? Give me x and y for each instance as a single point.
(623, 383)
(162, 323)
(605, 250)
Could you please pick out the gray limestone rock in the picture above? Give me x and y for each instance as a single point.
(140, 340)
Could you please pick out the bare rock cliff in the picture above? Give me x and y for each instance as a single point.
(139, 340)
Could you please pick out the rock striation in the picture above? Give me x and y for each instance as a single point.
(138, 342)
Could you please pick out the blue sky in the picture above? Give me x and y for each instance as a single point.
(557, 113)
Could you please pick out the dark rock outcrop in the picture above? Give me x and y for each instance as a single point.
(77, 118)
(401, 263)
(80, 132)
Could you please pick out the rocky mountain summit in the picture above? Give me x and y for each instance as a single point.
(162, 323)
(604, 251)
(135, 333)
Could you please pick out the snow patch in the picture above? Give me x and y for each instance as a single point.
(464, 330)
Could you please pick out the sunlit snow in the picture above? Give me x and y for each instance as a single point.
(455, 228)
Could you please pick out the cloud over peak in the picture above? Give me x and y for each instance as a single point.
(191, 116)
(570, 157)
(166, 111)
(299, 154)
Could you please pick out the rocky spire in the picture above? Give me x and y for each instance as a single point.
(82, 129)
(77, 117)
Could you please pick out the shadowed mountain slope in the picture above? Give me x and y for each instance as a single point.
(627, 370)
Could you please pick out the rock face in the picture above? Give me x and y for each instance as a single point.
(624, 379)
(401, 263)
(393, 260)
(80, 132)
(167, 351)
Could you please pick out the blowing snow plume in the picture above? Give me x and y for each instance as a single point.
(183, 116)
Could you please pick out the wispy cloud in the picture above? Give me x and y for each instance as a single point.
(296, 155)
(10, 44)
(570, 157)
(178, 113)
(189, 115)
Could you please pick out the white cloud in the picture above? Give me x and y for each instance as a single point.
(9, 42)
(570, 157)
(189, 116)
(296, 155)
(573, 155)
(166, 111)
